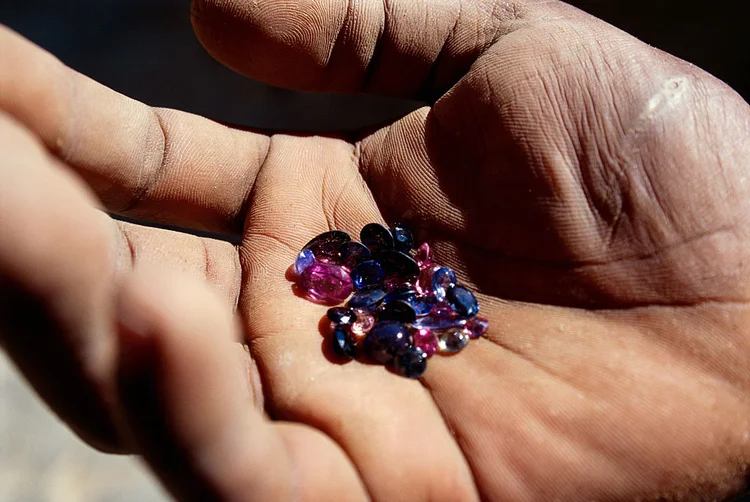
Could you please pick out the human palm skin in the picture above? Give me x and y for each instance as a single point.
(591, 189)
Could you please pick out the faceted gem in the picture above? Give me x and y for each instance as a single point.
(368, 297)
(343, 343)
(376, 237)
(477, 326)
(442, 280)
(444, 310)
(426, 340)
(386, 340)
(400, 293)
(463, 301)
(363, 324)
(402, 238)
(353, 253)
(424, 256)
(326, 283)
(424, 284)
(395, 282)
(422, 305)
(398, 264)
(326, 246)
(411, 364)
(341, 316)
(396, 310)
(453, 340)
(305, 258)
(367, 273)
(436, 323)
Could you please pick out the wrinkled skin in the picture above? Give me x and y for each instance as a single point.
(593, 190)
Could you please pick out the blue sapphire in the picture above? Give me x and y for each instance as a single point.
(404, 293)
(442, 280)
(341, 316)
(353, 253)
(422, 305)
(366, 274)
(386, 340)
(397, 310)
(438, 323)
(463, 301)
(305, 258)
(412, 363)
(343, 343)
(403, 240)
(367, 298)
(376, 237)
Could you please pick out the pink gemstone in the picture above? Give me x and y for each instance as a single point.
(363, 324)
(443, 310)
(424, 256)
(326, 283)
(477, 326)
(424, 284)
(426, 340)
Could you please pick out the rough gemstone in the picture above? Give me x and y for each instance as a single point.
(424, 284)
(424, 256)
(477, 326)
(343, 343)
(463, 301)
(326, 246)
(386, 340)
(367, 273)
(402, 238)
(341, 315)
(411, 364)
(326, 283)
(442, 280)
(426, 340)
(367, 298)
(398, 264)
(397, 310)
(376, 237)
(363, 324)
(305, 258)
(353, 253)
(453, 340)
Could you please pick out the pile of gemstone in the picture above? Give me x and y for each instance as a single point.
(402, 307)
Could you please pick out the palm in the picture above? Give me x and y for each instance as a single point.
(585, 218)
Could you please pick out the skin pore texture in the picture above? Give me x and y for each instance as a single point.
(592, 189)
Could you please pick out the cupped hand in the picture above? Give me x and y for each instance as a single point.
(592, 190)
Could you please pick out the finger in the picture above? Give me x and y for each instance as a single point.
(413, 49)
(189, 411)
(152, 164)
(373, 414)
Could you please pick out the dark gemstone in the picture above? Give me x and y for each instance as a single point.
(376, 237)
(367, 298)
(326, 246)
(353, 253)
(341, 316)
(343, 343)
(398, 264)
(402, 238)
(411, 364)
(422, 305)
(386, 340)
(367, 273)
(404, 293)
(463, 301)
(397, 310)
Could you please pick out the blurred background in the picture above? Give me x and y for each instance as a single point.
(146, 49)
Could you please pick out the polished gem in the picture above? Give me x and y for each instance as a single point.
(326, 283)
(422, 305)
(424, 284)
(353, 253)
(398, 264)
(438, 323)
(477, 326)
(386, 340)
(343, 344)
(341, 315)
(463, 301)
(363, 324)
(402, 238)
(368, 297)
(367, 273)
(424, 256)
(376, 237)
(397, 310)
(326, 246)
(411, 364)
(305, 258)
(453, 340)
(442, 280)
(426, 340)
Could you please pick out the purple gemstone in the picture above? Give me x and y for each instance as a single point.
(305, 258)
(477, 326)
(386, 340)
(424, 284)
(424, 256)
(327, 246)
(426, 340)
(354, 253)
(439, 323)
(442, 280)
(326, 283)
